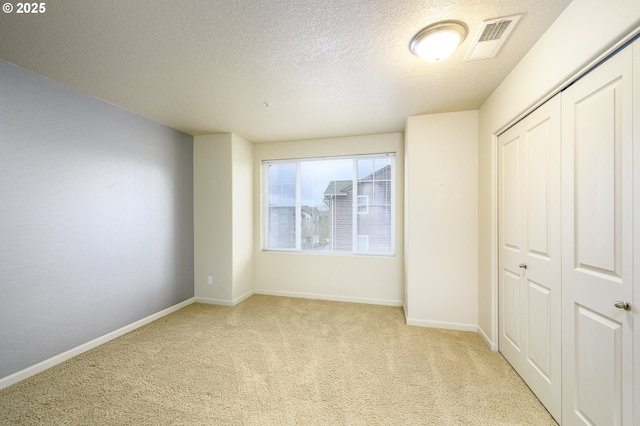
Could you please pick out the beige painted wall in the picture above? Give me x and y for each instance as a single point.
(213, 236)
(441, 240)
(584, 30)
(368, 279)
(223, 218)
(242, 217)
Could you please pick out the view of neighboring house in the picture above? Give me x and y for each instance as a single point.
(373, 209)
(339, 198)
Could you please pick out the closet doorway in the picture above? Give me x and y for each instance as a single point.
(565, 245)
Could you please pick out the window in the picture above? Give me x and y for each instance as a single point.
(338, 204)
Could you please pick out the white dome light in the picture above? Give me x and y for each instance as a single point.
(437, 42)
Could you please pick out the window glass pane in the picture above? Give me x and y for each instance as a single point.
(282, 195)
(363, 243)
(282, 173)
(323, 185)
(382, 163)
(282, 228)
(365, 168)
(375, 226)
(275, 173)
(382, 192)
(281, 202)
(289, 173)
(282, 184)
(288, 194)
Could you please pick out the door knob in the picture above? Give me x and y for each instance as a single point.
(622, 304)
(522, 265)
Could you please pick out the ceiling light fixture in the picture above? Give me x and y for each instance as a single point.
(438, 41)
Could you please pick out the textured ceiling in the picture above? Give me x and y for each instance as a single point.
(325, 67)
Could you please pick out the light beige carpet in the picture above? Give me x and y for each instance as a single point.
(279, 361)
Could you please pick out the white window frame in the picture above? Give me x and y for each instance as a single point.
(298, 215)
(359, 206)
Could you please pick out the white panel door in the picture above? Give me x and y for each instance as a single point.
(597, 267)
(529, 254)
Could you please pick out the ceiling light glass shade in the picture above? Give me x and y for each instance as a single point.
(437, 42)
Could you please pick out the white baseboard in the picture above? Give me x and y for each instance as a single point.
(224, 302)
(492, 345)
(442, 324)
(209, 301)
(242, 298)
(55, 360)
(330, 297)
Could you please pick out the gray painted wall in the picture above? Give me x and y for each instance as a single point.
(96, 218)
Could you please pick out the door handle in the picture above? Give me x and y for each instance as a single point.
(522, 265)
(622, 304)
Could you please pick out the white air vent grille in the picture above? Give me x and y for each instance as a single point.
(490, 37)
(494, 31)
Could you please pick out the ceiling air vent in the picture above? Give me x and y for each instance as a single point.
(490, 37)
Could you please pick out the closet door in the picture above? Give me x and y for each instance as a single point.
(636, 223)
(529, 251)
(597, 267)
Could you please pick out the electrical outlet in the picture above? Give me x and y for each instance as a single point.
(210, 280)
